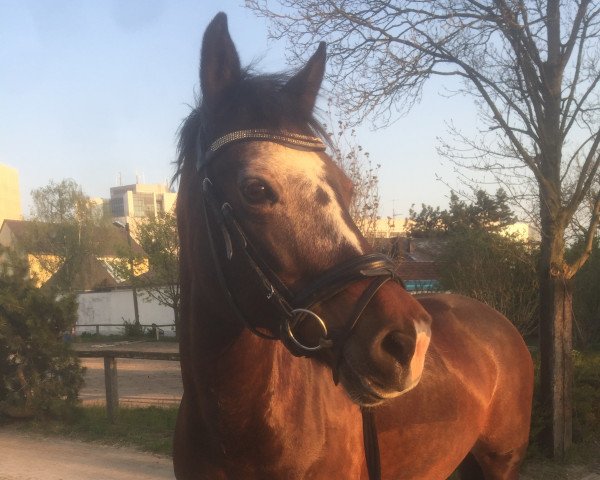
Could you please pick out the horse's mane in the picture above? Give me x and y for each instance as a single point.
(258, 102)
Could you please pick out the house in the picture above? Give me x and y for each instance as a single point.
(417, 265)
(419, 277)
(49, 261)
(104, 295)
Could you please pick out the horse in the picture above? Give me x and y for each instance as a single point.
(298, 343)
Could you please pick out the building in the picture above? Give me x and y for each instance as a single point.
(10, 199)
(33, 240)
(131, 203)
(522, 232)
(390, 227)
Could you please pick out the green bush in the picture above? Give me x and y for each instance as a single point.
(497, 270)
(586, 297)
(132, 329)
(39, 373)
(586, 395)
(586, 402)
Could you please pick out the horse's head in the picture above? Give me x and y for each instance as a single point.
(275, 207)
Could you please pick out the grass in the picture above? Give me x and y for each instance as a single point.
(149, 429)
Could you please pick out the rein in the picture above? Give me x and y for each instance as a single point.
(293, 309)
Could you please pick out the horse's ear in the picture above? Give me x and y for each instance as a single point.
(306, 83)
(219, 61)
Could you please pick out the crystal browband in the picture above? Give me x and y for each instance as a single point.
(287, 138)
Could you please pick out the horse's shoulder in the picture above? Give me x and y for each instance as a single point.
(461, 311)
(456, 315)
(440, 303)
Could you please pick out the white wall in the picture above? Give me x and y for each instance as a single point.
(113, 306)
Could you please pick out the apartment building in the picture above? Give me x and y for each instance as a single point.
(10, 199)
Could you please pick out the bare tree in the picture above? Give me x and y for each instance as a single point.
(532, 67)
(358, 166)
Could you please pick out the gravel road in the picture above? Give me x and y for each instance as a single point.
(33, 457)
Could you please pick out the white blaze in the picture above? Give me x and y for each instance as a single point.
(300, 174)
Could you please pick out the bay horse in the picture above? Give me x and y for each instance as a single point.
(291, 327)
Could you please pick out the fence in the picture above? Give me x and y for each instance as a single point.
(158, 328)
(110, 370)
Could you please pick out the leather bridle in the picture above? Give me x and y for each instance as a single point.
(292, 308)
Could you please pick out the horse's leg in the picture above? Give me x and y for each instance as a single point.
(469, 469)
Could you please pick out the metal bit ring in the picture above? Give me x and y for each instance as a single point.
(323, 342)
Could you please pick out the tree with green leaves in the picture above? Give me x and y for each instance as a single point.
(39, 374)
(486, 212)
(478, 259)
(63, 232)
(533, 69)
(158, 237)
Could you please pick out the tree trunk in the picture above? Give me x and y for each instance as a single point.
(556, 345)
(176, 318)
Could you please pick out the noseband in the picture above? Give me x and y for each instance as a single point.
(293, 309)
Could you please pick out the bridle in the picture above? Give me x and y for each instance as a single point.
(292, 308)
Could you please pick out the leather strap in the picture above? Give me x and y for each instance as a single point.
(371, 443)
(359, 308)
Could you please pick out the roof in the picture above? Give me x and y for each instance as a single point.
(419, 250)
(92, 274)
(112, 239)
(410, 270)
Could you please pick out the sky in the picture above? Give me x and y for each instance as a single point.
(96, 90)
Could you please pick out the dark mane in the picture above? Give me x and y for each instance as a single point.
(256, 101)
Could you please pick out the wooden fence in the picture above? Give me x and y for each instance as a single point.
(110, 370)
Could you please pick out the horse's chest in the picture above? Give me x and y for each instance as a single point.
(291, 440)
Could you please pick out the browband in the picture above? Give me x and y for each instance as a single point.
(283, 137)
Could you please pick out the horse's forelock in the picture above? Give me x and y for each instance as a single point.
(256, 101)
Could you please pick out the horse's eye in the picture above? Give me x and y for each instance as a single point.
(255, 191)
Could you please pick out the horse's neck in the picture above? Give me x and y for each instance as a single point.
(260, 395)
(260, 376)
(249, 402)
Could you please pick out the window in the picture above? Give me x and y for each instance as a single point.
(117, 208)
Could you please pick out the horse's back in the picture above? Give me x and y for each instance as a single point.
(475, 395)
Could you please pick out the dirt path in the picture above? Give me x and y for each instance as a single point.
(140, 382)
(33, 457)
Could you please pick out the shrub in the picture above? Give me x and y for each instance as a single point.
(586, 401)
(586, 297)
(586, 395)
(132, 329)
(39, 373)
(496, 270)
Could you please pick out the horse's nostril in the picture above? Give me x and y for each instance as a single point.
(400, 346)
